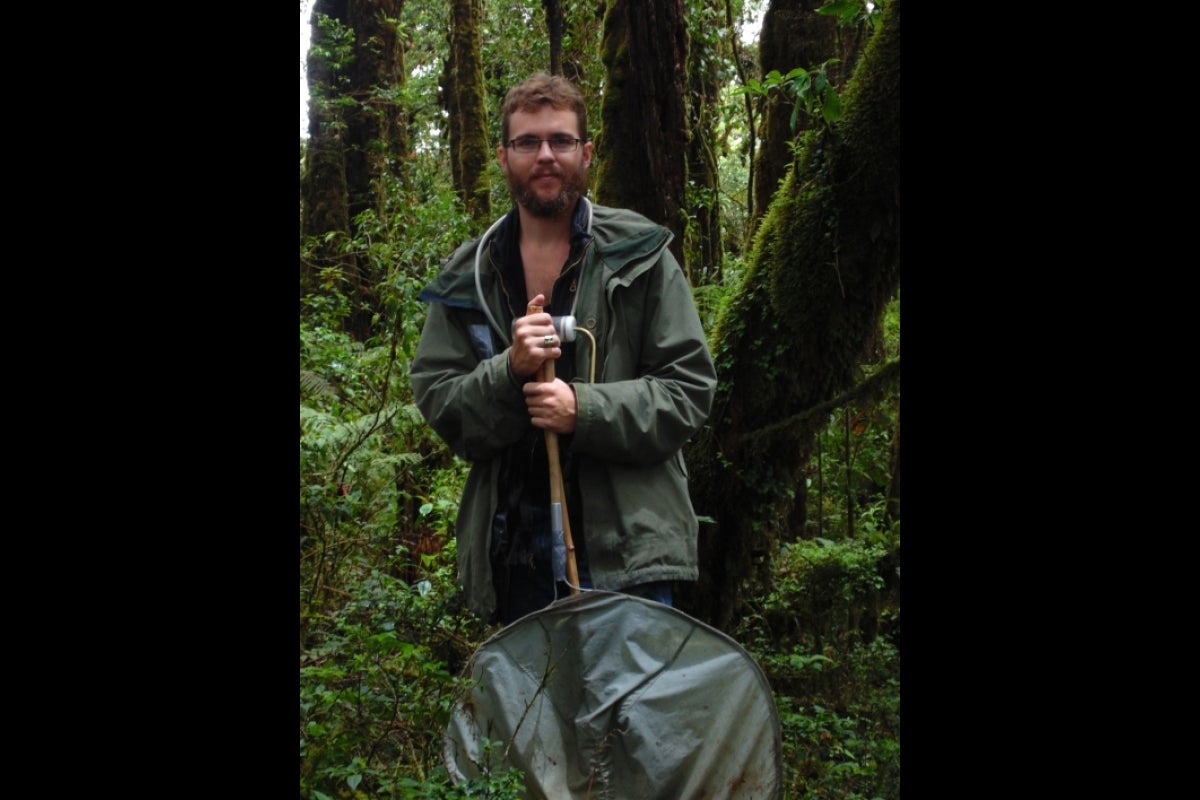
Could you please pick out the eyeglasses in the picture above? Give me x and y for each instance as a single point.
(527, 145)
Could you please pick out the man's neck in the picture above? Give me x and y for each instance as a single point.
(540, 231)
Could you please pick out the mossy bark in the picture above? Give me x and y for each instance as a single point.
(466, 101)
(355, 132)
(642, 145)
(825, 263)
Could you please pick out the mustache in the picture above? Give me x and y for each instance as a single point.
(573, 186)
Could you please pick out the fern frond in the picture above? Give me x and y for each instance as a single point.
(314, 385)
(397, 460)
(318, 427)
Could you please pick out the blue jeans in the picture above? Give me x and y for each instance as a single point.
(531, 584)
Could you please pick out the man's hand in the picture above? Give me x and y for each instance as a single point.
(534, 341)
(551, 405)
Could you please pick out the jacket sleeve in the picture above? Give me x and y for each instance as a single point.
(659, 379)
(464, 389)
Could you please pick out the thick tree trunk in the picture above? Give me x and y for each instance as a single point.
(643, 139)
(824, 267)
(354, 136)
(465, 96)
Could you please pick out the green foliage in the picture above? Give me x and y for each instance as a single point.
(383, 635)
(826, 629)
(334, 51)
(358, 671)
(827, 637)
(733, 170)
(811, 90)
(712, 298)
(852, 12)
(848, 480)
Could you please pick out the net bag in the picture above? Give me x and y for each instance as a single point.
(610, 696)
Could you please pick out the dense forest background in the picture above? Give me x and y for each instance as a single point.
(776, 162)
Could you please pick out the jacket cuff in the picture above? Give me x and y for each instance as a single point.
(516, 379)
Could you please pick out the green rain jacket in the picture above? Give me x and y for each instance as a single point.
(654, 387)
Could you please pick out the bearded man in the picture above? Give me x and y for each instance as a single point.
(624, 398)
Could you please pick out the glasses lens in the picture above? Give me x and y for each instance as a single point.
(531, 144)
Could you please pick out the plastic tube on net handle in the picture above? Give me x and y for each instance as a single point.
(559, 541)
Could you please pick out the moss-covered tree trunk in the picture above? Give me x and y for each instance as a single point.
(466, 104)
(824, 267)
(642, 144)
(355, 134)
(794, 35)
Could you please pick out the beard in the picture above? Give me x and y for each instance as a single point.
(574, 182)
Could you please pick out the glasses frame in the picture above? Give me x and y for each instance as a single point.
(575, 142)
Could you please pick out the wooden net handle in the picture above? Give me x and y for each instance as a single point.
(557, 491)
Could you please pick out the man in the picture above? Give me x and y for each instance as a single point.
(625, 397)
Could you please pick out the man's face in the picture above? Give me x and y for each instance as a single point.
(546, 183)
